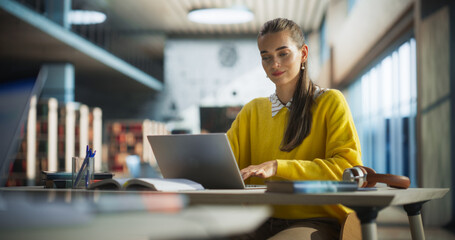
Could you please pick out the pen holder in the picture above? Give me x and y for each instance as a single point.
(82, 173)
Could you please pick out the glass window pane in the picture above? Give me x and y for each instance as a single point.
(383, 104)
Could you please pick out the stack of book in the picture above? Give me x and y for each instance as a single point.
(310, 186)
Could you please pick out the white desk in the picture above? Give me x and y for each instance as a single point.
(367, 204)
(78, 214)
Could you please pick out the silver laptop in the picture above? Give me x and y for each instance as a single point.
(203, 158)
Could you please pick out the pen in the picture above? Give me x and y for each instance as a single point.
(84, 165)
(87, 180)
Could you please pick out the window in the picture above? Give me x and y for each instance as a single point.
(383, 102)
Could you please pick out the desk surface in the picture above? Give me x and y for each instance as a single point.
(199, 222)
(27, 213)
(381, 197)
(195, 222)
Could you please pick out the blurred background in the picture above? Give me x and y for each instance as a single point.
(120, 70)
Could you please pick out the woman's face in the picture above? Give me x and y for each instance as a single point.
(281, 57)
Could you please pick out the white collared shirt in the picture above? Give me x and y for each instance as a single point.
(277, 105)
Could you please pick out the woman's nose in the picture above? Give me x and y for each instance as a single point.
(276, 62)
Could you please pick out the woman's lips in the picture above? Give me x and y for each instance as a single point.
(277, 73)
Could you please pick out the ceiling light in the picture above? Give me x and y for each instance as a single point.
(221, 15)
(84, 17)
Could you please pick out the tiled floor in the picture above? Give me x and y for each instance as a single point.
(393, 225)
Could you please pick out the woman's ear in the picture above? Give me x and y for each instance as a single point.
(304, 52)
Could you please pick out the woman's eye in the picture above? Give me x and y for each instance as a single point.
(283, 54)
(265, 58)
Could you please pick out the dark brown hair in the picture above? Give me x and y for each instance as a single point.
(300, 118)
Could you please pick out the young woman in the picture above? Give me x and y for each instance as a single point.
(301, 132)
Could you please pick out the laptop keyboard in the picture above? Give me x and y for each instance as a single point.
(254, 186)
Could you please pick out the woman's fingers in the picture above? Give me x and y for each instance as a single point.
(264, 170)
(245, 175)
(247, 172)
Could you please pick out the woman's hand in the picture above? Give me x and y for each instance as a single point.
(263, 170)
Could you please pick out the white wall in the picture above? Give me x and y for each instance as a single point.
(314, 62)
(194, 76)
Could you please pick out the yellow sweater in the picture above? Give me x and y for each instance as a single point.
(331, 147)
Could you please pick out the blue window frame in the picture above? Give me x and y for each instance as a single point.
(383, 101)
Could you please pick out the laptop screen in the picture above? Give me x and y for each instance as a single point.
(204, 158)
(15, 95)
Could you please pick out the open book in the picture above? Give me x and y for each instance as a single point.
(151, 184)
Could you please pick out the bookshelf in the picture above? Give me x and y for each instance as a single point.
(55, 132)
(129, 137)
(18, 175)
(52, 136)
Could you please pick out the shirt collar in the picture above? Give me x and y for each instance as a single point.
(277, 105)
